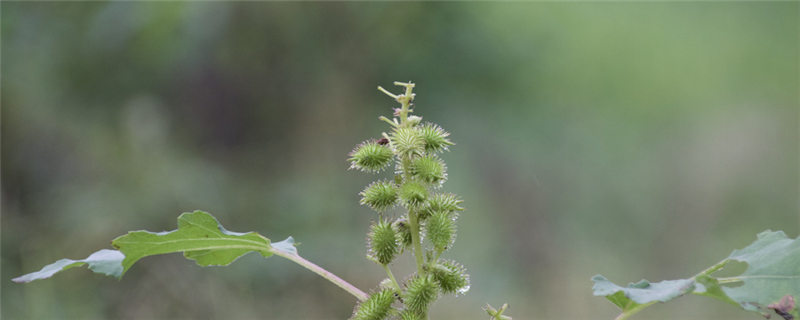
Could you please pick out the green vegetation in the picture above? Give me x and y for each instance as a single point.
(771, 281)
(426, 214)
(770, 284)
(629, 139)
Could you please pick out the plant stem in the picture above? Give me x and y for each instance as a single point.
(632, 311)
(391, 276)
(708, 271)
(413, 223)
(413, 219)
(360, 295)
(497, 314)
(405, 100)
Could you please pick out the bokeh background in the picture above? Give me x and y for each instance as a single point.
(636, 140)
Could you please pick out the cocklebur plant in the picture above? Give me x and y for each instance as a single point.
(425, 223)
(413, 216)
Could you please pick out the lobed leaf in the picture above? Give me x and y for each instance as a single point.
(108, 262)
(773, 271)
(199, 236)
(770, 282)
(642, 292)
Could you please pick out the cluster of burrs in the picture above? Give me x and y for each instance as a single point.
(413, 215)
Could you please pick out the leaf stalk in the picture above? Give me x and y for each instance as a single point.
(391, 277)
(413, 223)
(356, 292)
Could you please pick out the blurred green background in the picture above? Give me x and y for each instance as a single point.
(636, 140)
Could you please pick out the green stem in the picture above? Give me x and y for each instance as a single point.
(391, 276)
(360, 295)
(413, 223)
(413, 219)
(405, 100)
(497, 314)
(626, 314)
(708, 271)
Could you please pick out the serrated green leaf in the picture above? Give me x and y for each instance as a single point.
(199, 236)
(642, 292)
(710, 287)
(108, 262)
(772, 274)
(773, 271)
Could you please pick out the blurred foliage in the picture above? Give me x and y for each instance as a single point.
(629, 139)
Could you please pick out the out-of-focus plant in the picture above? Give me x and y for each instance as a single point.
(413, 216)
(771, 282)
